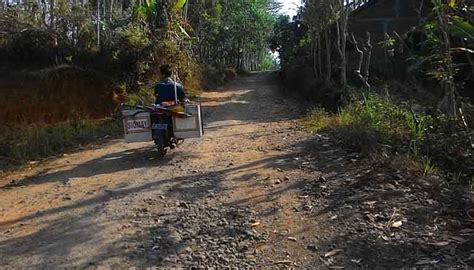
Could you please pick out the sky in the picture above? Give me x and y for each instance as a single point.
(290, 6)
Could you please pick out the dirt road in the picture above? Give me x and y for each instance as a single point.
(254, 191)
(92, 208)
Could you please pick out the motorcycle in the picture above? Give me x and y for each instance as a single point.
(166, 126)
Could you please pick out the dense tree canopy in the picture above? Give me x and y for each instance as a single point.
(319, 39)
(127, 38)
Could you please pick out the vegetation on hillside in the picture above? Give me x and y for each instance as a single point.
(433, 125)
(65, 60)
(378, 126)
(126, 40)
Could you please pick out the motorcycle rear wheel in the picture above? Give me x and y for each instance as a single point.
(160, 147)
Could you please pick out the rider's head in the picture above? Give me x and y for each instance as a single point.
(166, 70)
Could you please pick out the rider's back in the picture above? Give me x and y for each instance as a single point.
(165, 91)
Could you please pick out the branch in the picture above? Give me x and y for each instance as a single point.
(361, 60)
(369, 56)
(403, 42)
(359, 51)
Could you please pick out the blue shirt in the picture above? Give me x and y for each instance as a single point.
(164, 91)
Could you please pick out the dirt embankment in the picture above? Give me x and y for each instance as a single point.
(56, 95)
(256, 191)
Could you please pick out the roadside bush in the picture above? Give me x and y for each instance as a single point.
(21, 144)
(217, 75)
(373, 122)
(394, 124)
(448, 143)
(318, 120)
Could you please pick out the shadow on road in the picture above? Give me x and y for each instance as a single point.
(72, 226)
(110, 163)
(65, 232)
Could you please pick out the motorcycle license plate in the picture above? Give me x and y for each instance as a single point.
(159, 126)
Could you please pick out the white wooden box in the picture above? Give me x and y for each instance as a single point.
(137, 126)
(189, 127)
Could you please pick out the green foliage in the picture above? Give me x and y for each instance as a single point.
(179, 4)
(429, 168)
(148, 9)
(134, 36)
(141, 97)
(388, 43)
(217, 75)
(268, 62)
(234, 33)
(19, 145)
(443, 56)
(461, 28)
(391, 121)
(289, 39)
(318, 120)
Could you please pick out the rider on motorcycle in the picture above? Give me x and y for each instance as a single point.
(168, 91)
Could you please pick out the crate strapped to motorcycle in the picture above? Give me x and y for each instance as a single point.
(139, 127)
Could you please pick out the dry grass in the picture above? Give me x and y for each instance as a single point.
(21, 144)
(375, 124)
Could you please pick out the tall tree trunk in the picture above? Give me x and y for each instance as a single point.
(368, 49)
(449, 103)
(185, 11)
(51, 14)
(314, 56)
(359, 64)
(344, 55)
(327, 78)
(98, 24)
(43, 8)
(104, 10)
(111, 10)
(162, 18)
(320, 66)
(342, 40)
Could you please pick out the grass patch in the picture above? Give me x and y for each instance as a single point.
(318, 120)
(372, 123)
(21, 144)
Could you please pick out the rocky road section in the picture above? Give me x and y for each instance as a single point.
(256, 191)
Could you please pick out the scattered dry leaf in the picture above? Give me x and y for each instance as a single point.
(284, 262)
(397, 224)
(458, 239)
(332, 253)
(370, 202)
(255, 224)
(427, 261)
(440, 244)
(292, 238)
